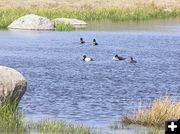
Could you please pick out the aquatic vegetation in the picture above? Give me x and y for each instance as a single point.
(8, 15)
(47, 126)
(160, 111)
(137, 129)
(10, 119)
(13, 121)
(64, 27)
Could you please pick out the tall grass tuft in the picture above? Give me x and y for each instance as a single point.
(10, 120)
(160, 111)
(48, 126)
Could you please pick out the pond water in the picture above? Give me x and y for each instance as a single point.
(61, 86)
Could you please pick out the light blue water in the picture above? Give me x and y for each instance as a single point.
(61, 86)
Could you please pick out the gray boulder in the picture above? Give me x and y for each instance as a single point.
(12, 84)
(74, 22)
(32, 22)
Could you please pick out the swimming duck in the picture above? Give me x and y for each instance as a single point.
(87, 59)
(94, 42)
(132, 60)
(82, 41)
(117, 58)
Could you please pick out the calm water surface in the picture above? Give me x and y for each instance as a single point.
(61, 86)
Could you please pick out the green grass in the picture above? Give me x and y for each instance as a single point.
(13, 121)
(48, 126)
(64, 27)
(10, 119)
(160, 111)
(135, 14)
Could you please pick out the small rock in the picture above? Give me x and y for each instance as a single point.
(74, 22)
(32, 22)
(12, 84)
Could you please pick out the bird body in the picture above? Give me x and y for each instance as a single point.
(118, 58)
(87, 59)
(82, 41)
(132, 60)
(94, 42)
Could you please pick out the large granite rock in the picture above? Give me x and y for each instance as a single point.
(12, 84)
(74, 22)
(32, 22)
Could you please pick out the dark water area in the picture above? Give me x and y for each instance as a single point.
(61, 86)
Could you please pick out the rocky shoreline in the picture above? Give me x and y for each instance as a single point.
(35, 22)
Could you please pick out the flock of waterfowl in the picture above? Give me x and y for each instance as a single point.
(115, 58)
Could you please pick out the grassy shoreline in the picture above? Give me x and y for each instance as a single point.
(8, 15)
(12, 121)
(155, 116)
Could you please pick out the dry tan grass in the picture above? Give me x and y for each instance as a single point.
(90, 3)
(161, 110)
